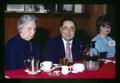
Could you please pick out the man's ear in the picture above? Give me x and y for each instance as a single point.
(60, 29)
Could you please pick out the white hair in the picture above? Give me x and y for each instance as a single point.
(25, 19)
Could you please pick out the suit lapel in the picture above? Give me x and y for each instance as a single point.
(74, 48)
(60, 46)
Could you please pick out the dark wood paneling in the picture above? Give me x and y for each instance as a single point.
(50, 21)
(47, 21)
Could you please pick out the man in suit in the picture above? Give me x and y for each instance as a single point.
(56, 48)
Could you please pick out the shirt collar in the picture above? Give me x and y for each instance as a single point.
(102, 36)
(64, 41)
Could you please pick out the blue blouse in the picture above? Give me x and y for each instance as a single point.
(105, 44)
(17, 50)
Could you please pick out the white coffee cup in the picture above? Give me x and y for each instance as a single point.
(78, 67)
(46, 65)
(65, 69)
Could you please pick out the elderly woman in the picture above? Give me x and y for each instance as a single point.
(22, 46)
(104, 43)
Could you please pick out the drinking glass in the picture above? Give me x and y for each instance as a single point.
(32, 64)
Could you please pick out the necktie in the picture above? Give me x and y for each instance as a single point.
(68, 52)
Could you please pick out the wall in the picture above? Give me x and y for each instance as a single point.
(85, 22)
(95, 11)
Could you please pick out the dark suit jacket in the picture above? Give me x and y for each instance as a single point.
(54, 49)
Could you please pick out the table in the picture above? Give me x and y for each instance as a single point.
(106, 71)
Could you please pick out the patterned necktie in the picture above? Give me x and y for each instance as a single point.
(68, 52)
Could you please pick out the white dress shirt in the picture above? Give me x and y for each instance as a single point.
(65, 46)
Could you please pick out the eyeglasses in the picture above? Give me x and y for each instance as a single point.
(107, 26)
(64, 28)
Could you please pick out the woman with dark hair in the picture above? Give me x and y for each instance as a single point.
(104, 43)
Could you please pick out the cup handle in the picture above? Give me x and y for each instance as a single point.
(41, 64)
(69, 69)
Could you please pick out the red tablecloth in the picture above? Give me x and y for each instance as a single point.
(105, 71)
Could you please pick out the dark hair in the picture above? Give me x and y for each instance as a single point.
(67, 19)
(102, 21)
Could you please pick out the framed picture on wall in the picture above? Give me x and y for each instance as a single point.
(65, 7)
(78, 8)
(15, 7)
(68, 7)
(72, 8)
(29, 7)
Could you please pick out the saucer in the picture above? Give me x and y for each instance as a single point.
(47, 70)
(107, 61)
(32, 73)
(7, 77)
(56, 66)
(74, 71)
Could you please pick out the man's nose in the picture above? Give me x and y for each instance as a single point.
(69, 30)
